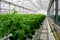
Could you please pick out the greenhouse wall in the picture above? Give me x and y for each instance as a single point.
(51, 9)
(58, 12)
(54, 11)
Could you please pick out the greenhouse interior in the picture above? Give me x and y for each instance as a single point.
(29, 19)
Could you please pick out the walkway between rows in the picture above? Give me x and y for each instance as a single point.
(44, 32)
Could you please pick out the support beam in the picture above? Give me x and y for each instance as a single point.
(18, 5)
(0, 6)
(34, 4)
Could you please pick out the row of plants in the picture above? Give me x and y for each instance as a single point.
(21, 26)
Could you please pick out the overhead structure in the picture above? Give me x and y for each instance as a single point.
(24, 6)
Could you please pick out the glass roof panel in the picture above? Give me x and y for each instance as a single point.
(36, 5)
(41, 4)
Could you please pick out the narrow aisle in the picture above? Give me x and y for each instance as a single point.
(44, 32)
(50, 34)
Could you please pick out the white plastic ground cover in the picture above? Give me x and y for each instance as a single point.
(37, 34)
(6, 37)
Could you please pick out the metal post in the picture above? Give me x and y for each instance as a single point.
(56, 10)
(19, 9)
(0, 6)
(9, 7)
(23, 8)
